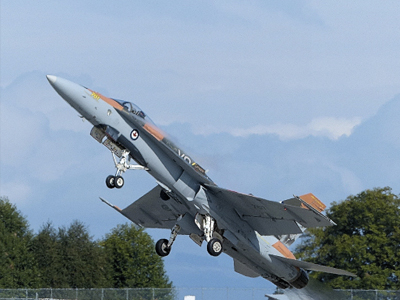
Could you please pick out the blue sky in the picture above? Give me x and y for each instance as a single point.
(274, 98)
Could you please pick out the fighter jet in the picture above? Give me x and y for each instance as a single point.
(255, 232)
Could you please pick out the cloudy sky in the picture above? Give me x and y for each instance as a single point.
(274, 98)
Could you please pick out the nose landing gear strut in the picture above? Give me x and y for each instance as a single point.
(122, 166)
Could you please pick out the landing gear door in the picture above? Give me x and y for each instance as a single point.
(99, 135)
(113, 147)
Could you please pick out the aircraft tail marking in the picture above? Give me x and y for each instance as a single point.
(283, 250)
(313, 201)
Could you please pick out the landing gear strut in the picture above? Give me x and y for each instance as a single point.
(163, 246)
(214, 245)
(122, 166)
(205, 223)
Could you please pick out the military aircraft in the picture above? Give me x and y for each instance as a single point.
(255, 232)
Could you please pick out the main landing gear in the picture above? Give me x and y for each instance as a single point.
(122, 166)
(207, 225)
(163, 246)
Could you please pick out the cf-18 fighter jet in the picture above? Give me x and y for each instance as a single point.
(255, 232)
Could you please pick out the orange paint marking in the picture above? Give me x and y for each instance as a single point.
(283, 250)
(110, 101)
(154, 131)
(313, 201)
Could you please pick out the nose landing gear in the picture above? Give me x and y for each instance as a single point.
(122, 166)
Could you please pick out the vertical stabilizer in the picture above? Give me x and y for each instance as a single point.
(311, 200)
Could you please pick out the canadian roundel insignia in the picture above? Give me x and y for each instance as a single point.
(134, 134)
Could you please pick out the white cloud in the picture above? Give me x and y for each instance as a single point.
(330, 127)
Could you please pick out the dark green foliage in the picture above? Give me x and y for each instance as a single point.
(134, 263)
(366, 241)
(70, 258)
(17, 264)
(44, 248)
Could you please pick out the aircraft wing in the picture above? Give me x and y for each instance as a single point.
(149, 211)
(270, 217)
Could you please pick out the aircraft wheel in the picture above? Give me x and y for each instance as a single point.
(214, 247)
(119, 182)
(110, 182)
(162, 248)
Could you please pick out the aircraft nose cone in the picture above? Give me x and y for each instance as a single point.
(52, 79)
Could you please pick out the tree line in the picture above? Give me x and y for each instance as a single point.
(69, 257)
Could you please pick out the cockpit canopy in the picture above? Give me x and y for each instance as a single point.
(134, 109)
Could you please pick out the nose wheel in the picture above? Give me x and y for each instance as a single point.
(115, 182)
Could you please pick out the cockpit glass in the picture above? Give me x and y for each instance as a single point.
(134, 109)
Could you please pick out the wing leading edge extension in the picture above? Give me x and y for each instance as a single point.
(269, 217)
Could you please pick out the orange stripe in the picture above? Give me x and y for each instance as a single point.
(314, 202)
(110, 101)
(283, 250)
(153, 131)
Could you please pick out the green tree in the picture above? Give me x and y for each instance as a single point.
(17, 264)
(132, 259)
(365, 241)
(82, 258)
(69, 257)
(44, 248)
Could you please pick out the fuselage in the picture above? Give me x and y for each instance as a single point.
(183, 180)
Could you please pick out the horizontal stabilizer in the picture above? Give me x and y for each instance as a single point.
(312, 267)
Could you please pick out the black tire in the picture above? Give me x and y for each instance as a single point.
(110, 180)
(214, 247)
(162, 248)
(119, 182)
(164, 196)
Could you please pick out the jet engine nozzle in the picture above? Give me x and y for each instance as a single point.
(301, 281)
